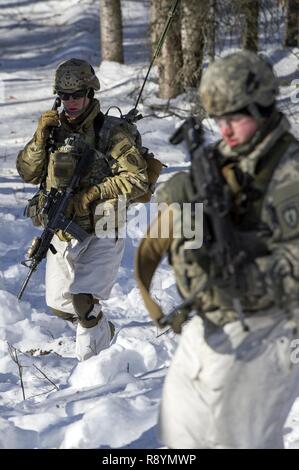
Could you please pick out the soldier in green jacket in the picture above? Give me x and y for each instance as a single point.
(229, 386)
(80, 274)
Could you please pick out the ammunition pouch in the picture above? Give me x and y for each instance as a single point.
(34, 208)
(63, 162)
(61, 168)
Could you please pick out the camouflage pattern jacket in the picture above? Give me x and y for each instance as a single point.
(124, 175)
(272, 279)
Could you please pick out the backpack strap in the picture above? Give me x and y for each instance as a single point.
(97, 125)
(108, 124)
(265, 171)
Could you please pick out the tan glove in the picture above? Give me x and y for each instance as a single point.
(82, 200)
(46, 121)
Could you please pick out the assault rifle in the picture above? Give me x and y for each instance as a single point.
(54, 210)
(219, 235)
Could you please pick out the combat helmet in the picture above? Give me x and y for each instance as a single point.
(242, 80)
(73, 75)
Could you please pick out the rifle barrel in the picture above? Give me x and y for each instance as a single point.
(27, 279)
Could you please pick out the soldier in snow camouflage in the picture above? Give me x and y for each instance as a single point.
(80, 274)
(236, 387)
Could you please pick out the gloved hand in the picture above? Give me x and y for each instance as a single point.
(46, 121)
(82, 200)
(176, 323)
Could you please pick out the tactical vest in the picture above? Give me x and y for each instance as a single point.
(63, 159)
(192, 266)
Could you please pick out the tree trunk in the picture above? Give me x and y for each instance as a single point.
(250, 36)
(194, 18)
(111, 30)
(170, 62)
(155, 25)
(211, 32)
(292, 24)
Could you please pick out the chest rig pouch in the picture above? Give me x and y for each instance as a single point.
(34, 207)
(63, 161)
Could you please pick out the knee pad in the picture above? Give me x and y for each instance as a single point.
(84, 306)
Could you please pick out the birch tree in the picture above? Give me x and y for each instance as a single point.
(170, 61)
(194, 17)
(111, 30)
(155, 25)
(211, 31)
(292, 23)
(250, 36)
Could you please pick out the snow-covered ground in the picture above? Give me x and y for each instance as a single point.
(112, 399)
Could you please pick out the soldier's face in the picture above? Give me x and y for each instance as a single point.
(237, 129)
(75, 106)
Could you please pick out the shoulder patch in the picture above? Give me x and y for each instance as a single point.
(286, 205)
(290, 215)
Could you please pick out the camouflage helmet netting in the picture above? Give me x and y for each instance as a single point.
(73, 75)
(236, 81)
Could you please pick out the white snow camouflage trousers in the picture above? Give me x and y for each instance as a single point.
(232, 389)
(88, 267)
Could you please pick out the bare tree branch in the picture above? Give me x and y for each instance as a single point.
(14, 356)
(46, 377)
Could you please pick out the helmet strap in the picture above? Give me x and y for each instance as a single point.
(254, 111)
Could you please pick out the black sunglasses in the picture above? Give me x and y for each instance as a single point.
(76, 95)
